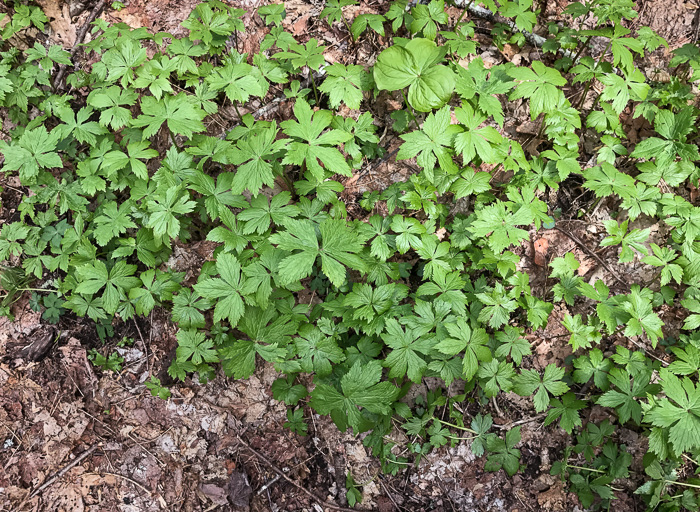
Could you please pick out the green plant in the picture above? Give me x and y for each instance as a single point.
(112, 362)
(428, 278)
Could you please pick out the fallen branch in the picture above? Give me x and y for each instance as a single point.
(96, 11)
(281, 473)
(591, 253)
(50, 481)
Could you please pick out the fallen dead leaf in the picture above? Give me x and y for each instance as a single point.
(239, 490)
(541, 246)
(60, 22)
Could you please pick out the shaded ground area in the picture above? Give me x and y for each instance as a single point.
(76, 438)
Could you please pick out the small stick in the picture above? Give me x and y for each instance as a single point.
(66, 469)
(130, 480)
(274, 468)
(267, 485)
(591, 253)
(145, 348)
(512, 424)
(381, 482)
(79, 39)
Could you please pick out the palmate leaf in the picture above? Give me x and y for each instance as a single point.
(406, 347)
(359, 388)
(317, 351)
(179, 112)
(239, 81)
(262, 212)
(416, 66)
(116, 281)
(312, 146)
(254, 157)
(193, 345)
(605, 180)
(114, 221)
(344, 84)
(35, 149)
(679, 412)
(226, 291)
(481, 85)
(339, 247)
(471, 341)
(474, 140)
(498, 226)
(530, 383)
(433, 144)
(109, 101)
(164, 209)
(540, 84)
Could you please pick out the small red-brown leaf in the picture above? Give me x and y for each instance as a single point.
(541, 247)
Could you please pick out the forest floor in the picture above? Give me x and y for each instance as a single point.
(76, 438)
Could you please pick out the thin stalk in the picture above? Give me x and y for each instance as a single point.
(588, 84)
(583, 468)
(461, 438)
(172, 138)
(683, 484)
(580, 51)
(36, 290)
(689, 458)
(410, 108)
(464, 12)
(235, 106)
(457, 426)
(347, 25)
(313, 83)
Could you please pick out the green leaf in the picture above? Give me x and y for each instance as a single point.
(115, 281)
(550, 384)
(539, 84)
(472, 342)
(317, 351)
(406, 347)
(415, 65)
(225, 291)
(678, 412)
(359, 388)
(193, 345)
(34, 150)
(180, 113)
(312, 145)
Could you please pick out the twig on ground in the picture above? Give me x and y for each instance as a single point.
(274, 468)
(130, 480)
(386, 491)
(65, 469)
(145, 348)
(512, 424)
(267, 485)
(96, 11)
(583, 246)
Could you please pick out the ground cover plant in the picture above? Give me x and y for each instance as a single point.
(119, 163)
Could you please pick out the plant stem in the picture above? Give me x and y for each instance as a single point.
(347, 25)
(588, 84)
(457, 426)
(580, 51)
(461, 438)
(172, 138)
(464, 12)
(313, 83)
(673, 482)
(235, 106)
(410, 108)
(583, 468)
